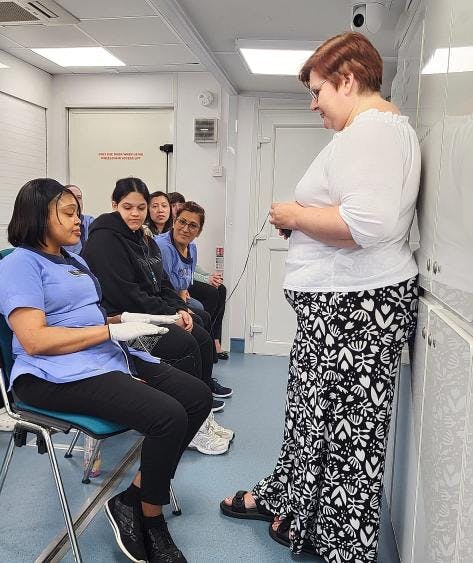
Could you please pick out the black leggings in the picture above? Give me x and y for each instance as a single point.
(168, 410)
(192, 352)
(213, 300)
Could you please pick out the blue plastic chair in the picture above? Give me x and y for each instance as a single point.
(43, 423)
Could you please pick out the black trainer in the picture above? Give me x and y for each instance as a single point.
(160, 545)
(127, 526)
(218, 390)
(217, 405)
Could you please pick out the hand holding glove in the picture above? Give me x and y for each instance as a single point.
(130, 330)
(152, 319)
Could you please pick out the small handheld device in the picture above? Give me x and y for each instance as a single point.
(287, 232)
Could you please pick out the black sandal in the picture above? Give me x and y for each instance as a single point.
(281, 535)
(238, 509)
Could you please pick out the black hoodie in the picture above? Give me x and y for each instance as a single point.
(129, 268)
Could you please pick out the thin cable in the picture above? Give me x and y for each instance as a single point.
(218, 311)
(246, 261)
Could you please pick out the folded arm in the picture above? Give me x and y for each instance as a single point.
(320, 223)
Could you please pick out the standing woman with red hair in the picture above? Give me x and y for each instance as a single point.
(351, 279)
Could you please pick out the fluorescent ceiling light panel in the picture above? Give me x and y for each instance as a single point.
(3, 66)
(80, 56)
(461, 60)
(275, 57)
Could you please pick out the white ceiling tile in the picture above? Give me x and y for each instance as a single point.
(106, 8)
(47, 36)
(130, 31)
(153, 55)
(310, 20)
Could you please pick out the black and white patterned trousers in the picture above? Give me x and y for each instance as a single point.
(342, 374)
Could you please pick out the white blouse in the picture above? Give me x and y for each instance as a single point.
(371, 170)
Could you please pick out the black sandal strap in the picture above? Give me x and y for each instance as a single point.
(238, 502)
(284, 526)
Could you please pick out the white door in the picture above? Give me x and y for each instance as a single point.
(105, 145)
(290, 141)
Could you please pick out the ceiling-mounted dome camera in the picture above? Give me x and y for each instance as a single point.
(367, 17)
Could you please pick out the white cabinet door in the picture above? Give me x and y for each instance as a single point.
(465, 530)
(452, 280)
(407, 439)
(447, 379)
(292, 139)
(430, 124)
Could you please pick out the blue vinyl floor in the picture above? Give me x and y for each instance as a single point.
(30, 516)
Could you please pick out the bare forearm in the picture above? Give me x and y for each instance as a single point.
(52, 341)
(324, 224)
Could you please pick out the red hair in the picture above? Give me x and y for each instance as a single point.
(342, 54)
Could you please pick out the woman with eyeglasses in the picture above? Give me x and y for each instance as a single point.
(179, 260)
(352, 281)
(207, 290)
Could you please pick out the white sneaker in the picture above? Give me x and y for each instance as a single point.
(7, 424)
(207, 442)
(220, 431)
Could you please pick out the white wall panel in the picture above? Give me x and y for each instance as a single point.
(22, 152)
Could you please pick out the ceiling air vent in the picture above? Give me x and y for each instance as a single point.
(37, 12)
(205, 130)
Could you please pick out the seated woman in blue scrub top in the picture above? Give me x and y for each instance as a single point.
(179, 253)
(70, 357)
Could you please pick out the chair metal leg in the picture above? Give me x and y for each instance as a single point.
(6, 461)
(176, 509)
(73, 444)
(88, 469)
(62, 497)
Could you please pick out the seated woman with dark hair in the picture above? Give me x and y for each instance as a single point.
(159, 218)
(69, 357)
(176, 200)
(129, 267)
(206, 291)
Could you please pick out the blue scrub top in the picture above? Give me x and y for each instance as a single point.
(179, 269)
(69, 295)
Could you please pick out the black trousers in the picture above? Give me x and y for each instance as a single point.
(192, 352)
(168, 410)
(213, 300)
(203, 318)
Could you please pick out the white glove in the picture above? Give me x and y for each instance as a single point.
(153, 319)
(121, 332)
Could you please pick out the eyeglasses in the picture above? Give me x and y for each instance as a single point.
(182, 224)
(314, 92)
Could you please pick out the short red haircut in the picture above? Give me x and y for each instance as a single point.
(342, 54)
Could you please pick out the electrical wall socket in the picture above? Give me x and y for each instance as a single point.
(217, 171)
